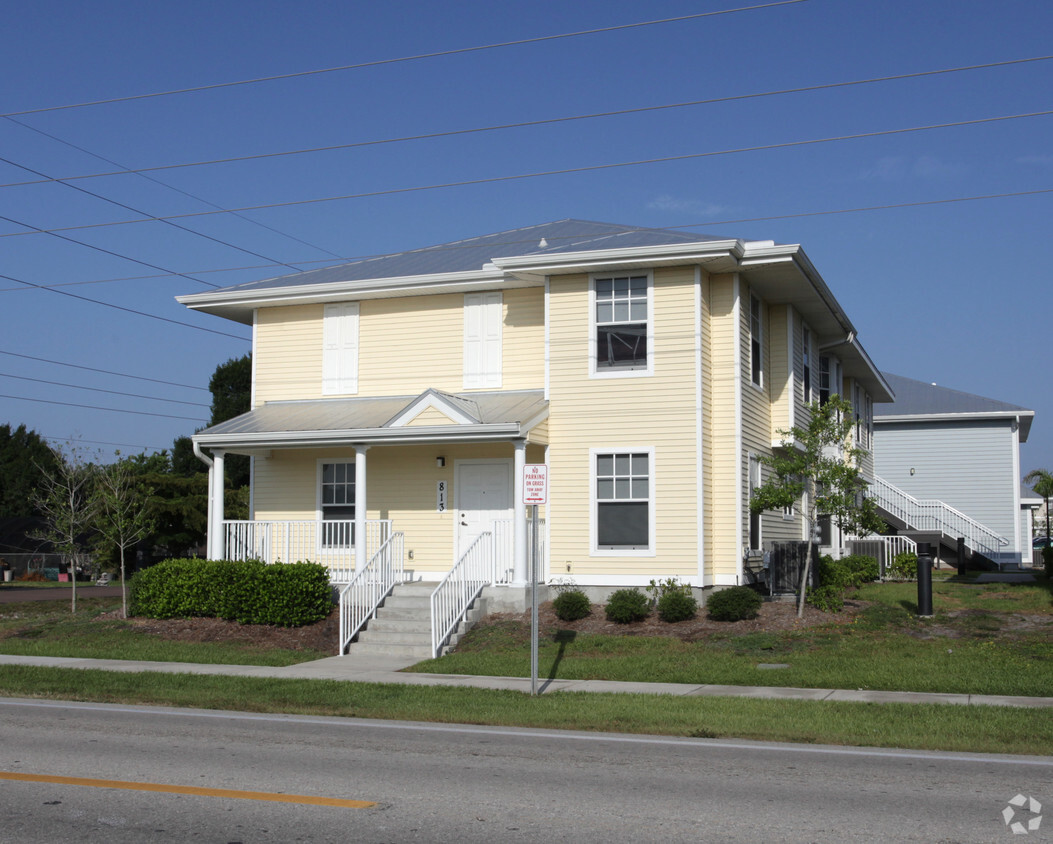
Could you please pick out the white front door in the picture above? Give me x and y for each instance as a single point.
(484, 494)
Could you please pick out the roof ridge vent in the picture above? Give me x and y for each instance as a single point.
(543, 244)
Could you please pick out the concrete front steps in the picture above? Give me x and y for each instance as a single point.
(402, 627)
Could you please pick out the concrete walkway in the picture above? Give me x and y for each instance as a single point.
(387, 670)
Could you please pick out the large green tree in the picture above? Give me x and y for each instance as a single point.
(819, 460)
(25, 461)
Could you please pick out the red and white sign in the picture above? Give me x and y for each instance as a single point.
(535, 483)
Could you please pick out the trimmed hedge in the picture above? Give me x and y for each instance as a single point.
(571, 605)
(677, 605)
(282, 594)
(733, 604)
(627, 605)
(854, 570)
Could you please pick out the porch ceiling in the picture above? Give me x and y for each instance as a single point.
(491, 416)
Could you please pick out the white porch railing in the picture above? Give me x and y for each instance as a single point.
(884, 549)
(504, 547)
(935, 515)
(461, 586)
(331, 543)
(368, 589)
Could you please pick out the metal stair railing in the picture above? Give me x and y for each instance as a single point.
(368, 589)
(883, 548)
(934, 515)
(455, 593)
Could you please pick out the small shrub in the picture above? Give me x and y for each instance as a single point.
(733, 604)
(658, 588)
(571, 605)
(903, 566)
(31, 577)
(627, 605)
(827, 598)
(677, 605)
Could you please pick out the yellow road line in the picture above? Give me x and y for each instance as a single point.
(308, 799)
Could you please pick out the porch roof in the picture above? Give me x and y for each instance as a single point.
(387, 419)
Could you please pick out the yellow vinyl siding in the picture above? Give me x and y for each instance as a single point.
(756, 401)
(725, 462)
(406, 345)
(288, 353)
(636, 412)
(781, 379)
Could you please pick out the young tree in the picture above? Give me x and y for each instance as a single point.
(122, 510)
(67, 506)
(819, 460)
(1041, 481)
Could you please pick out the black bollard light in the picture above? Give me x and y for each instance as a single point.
(924, 580)
(961, 556)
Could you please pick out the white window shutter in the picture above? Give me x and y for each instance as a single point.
(340, 349)
(483, 319)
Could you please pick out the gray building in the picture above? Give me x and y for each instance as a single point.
(942, 445)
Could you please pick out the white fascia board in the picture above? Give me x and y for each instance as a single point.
(953, 417)
(599, 259)
(428, 400)
(337, 290)
(366, 436)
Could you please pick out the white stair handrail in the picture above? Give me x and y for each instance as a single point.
(368, 588)
(456, 592)
(934, 515)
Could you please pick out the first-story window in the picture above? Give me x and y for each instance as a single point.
(623, 494)
(755, 517)
(338, 504)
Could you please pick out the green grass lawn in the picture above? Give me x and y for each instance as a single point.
(987, 729)
(48, 628)
(978, 643)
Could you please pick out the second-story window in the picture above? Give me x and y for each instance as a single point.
(756, 361)
(621, 324)
(824, 379)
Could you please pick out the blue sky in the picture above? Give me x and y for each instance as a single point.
(953, 293)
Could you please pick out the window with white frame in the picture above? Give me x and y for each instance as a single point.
(483, 319)
(340, 349)
(623, 488)
(336, 497)
(857, 409)
(756, 338)
(825, 370)
(806, 356)
(621, 324)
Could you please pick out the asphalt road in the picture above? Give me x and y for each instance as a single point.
(433, 782)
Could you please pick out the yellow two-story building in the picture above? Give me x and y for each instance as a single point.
(397, 401)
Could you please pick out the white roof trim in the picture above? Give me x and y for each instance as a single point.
(986, 414)
(423, 402)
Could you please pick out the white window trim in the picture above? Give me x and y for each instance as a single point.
(319, 515)
(639, 372)
(808, 390)
(486, 305)
(594, 549)
(754, 479)
(757, 385)
(344, 380)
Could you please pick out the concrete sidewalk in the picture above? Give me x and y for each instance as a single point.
(384, 670)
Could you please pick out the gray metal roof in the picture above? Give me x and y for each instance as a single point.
(922, 400)
(474, 253)
(370, 418)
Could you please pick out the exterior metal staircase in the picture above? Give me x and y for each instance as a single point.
(935, 517)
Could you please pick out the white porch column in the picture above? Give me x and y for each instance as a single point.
(519, 526)
(360, 507)
(216, 532)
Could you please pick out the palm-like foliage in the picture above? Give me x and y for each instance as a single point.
(1041, 481)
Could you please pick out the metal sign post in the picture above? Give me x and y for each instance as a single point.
(535, 492)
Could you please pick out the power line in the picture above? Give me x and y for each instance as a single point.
(99, 390)
(531, 123)
(417, 57)
(122, 308)
(202, 200)
(560, 172)
(134, 210)
(101, 442)
(110, 409)
(103, 371)
(455, 246)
